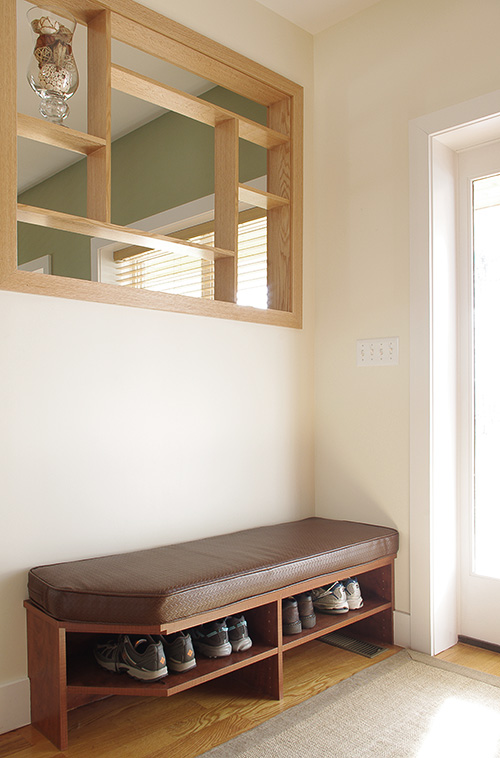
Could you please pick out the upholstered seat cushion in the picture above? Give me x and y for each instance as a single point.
(165, 584)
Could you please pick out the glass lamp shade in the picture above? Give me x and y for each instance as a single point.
(52, 71)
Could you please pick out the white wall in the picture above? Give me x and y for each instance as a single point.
(123, 428)
(373, 74)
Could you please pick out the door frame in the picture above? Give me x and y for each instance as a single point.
(434, 142)
(482, 160)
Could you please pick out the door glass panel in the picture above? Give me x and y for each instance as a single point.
(486, 319)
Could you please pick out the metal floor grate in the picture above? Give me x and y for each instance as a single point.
(354, 646)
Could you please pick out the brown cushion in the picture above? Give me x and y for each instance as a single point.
(177, 581)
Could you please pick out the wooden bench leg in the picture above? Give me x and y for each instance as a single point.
(378, 629)
(265, 677)
(47, 673)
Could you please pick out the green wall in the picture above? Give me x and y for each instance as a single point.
(165, 163)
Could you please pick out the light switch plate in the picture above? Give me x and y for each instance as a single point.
(379, 351)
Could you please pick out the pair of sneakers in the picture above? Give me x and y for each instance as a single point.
(340, 597)
(141, 657)
(220, 638)
(147, 658)
(298, 613)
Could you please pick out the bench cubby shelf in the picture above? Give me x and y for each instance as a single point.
(64, 675)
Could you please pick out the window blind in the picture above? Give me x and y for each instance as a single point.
(183, 275)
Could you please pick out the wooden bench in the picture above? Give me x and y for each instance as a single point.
(167, 589)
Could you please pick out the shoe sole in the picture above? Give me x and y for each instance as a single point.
(141, 674)
(333, 611)
(308, 622)
(214, 651)
(294, 628)
(355, 604)
(181, 666)
(239, 646)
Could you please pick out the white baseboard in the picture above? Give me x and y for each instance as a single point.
(402, 635)
(14, 705)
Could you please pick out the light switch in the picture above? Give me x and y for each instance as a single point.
(380, 351)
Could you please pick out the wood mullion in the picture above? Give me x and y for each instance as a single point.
(57, 135)
(279, 263)
(99, 116)
(226, 207)
(261, 199)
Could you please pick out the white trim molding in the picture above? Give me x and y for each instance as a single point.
(14, 705)
(402, 634)
(42, 265)
(434, 141)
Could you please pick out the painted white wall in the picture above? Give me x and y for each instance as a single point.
(373, 74)
(123, 428)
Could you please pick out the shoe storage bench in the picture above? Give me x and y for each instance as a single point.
(178, 587)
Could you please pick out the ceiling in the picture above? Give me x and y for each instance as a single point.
(316, 15)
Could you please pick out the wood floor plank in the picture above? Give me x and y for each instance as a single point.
(130, 727)
(13, 744)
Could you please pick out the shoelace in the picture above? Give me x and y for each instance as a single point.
(215, 631)
(242, 623)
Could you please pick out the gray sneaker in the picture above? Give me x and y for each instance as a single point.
(353, 594)
(179, 651)
(331, 599)
(238, 633)
(306, 610)
(291, 619)
(212, 639)
(141, 657)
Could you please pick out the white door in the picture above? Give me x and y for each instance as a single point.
(479, 392)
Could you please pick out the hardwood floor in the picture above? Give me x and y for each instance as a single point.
(473, 657)
(192, 722)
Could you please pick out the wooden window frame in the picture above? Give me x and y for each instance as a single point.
(129, 22)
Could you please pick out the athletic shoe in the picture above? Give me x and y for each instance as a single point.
(353, 594)
(238, 633)
(179, 651)
(306, 610)
(331, 599)
(141, 657)
(291, 619)
(212, 639)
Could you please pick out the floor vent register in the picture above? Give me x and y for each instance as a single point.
(367, 649)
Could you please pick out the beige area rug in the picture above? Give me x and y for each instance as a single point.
(406, 705)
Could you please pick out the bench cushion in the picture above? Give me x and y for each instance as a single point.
(174, 582)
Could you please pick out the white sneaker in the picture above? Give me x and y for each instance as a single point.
(331, 599)
(353, 594)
